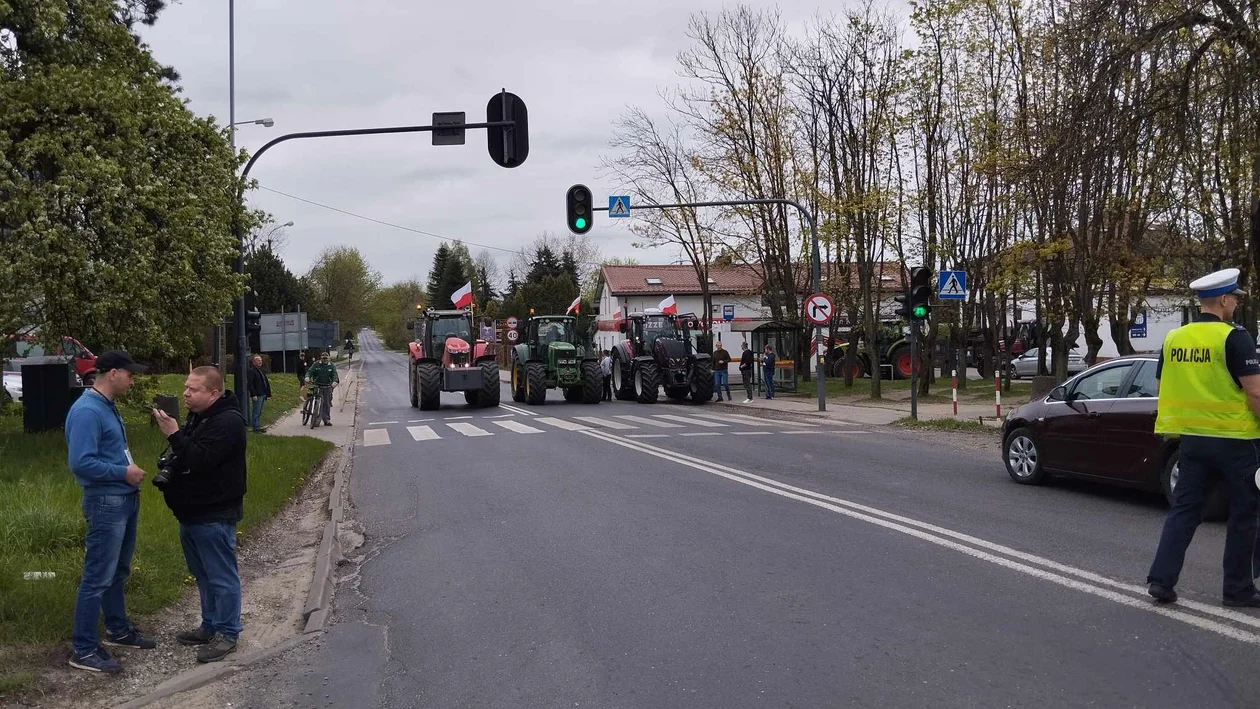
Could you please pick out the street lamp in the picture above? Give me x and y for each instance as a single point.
(268, 122)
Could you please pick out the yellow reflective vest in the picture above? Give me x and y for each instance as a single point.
(1197, 394)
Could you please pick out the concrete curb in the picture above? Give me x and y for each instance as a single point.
(208, 673)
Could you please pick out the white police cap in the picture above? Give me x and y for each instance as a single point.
(1214, 285)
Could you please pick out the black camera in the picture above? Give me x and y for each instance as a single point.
(168, 466)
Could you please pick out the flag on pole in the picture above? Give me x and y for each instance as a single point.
(462, 298)
(668, 306)
(574, 306)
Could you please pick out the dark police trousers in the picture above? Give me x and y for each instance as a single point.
(1231, 464)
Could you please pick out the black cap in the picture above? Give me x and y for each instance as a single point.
(118, 359)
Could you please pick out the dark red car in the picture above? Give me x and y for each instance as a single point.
(1098, 425)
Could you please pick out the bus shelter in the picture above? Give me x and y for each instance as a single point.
(783, 339)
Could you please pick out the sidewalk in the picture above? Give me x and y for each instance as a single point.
(345, 397)
(878, 412)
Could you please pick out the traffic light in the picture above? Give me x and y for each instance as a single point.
(903, 301)
(578, 203)
(253, 320)
(920, 293)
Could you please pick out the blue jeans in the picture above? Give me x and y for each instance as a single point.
(257, 411)
(110, 543)
(767, 375)
(721, 380)
(210, 551)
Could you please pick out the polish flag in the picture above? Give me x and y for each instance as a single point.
(573, 307)
(668, 306)
(462, 298)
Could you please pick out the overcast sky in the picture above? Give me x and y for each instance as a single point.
(331, 64)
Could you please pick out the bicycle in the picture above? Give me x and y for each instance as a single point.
(317, 411)
(310, 407)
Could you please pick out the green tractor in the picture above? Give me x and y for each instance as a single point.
(551, 358)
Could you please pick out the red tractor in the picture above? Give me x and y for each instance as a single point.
(446, 357)
(659, 352)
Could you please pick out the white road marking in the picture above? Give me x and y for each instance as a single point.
(500, 416)
(752, 433)
(689, 421)
(561, 423)
(615, 425)
(376, 437)
(647, 435)
(790, 433)
(517, 410)
(648, 421)
(1086, 581)
(422, 433)
(381, 423)
(518, 427)
(702, 433)
(419, 420)
(469, 430)
(457, 418)
(752, 420)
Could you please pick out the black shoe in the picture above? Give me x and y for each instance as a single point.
(1162, 594)
(1253, 601)
(200, 636)
(218, 648)
(133, 638)
(98, 661)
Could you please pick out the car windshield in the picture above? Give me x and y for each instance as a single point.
(658, 326)
(450, 327)
(555, 331)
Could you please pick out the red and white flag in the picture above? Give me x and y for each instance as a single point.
(462, 298)
(573, 307)
(668, 306)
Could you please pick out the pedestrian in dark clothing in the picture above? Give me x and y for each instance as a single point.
(767, 366)
(747, 364)
(721, 371)
(102, 464)
(259, 391)
(207, 494)
(302, 364)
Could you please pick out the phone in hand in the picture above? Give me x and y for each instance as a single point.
(167, 404)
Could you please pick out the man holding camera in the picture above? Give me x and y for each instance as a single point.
(204, 485)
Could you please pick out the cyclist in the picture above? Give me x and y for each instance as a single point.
(323, 375)
(349, 347)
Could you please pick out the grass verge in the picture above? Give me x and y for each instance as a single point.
(947, 425)
(42, 527)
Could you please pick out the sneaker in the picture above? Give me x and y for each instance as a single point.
(1162, 594)
(200, 636)
(1252, 601)
(97, 661)
(747, 401)
(218, 648)
(133, 638)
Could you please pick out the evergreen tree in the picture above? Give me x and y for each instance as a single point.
(433, 288)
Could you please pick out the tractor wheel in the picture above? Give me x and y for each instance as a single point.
(702, 381)
(429, 382)
(859, 369)
(902, 362)
(489, 394)
(535, 383)
(518, 382)
(677, 393)
(622, 380)
(411, 385)
(592, 383)
(646, 384)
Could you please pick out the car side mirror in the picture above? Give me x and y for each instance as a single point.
(621, 327)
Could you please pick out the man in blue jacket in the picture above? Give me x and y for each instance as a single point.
(103, 466)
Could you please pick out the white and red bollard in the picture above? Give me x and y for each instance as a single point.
(953, 373)
(997, 392)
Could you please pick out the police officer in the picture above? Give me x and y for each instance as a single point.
(1209, 396)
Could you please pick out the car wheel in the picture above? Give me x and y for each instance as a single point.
(1215, 508)
(1014, 372)
(1023, 458)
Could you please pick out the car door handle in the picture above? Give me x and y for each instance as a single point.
(1094, 414)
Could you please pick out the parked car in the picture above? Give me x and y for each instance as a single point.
(1025, 365)
(1099, 425)
(22, 349)
(12, 389)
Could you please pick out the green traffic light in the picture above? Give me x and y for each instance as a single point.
(580, 223)
(920, 311)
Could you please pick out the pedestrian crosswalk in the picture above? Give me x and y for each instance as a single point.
(695, 425)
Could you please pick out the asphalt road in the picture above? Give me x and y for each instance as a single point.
(623, 555)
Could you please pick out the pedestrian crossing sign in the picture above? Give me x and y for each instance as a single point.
(952, 285)
(619, 206)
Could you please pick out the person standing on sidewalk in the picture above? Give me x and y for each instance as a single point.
(207, 496)
(302, 364)
(1209, 397)
(259, 392)
(605, 367)
(102, 464)
(747, 364)
(721, 371)
(767, 370)
(323, 374)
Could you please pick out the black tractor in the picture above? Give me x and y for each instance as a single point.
(658, 351)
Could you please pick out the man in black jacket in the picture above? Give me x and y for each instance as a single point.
(207, 494)
(259, 391)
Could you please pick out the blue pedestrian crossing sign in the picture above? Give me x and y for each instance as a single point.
(619, 206)
(952, 285)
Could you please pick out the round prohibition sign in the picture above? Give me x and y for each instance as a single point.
(513, 335)
(818, 309)
(512, 322)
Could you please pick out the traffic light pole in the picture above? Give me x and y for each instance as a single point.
(914, 369)
(240, 368)
(816, 268)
